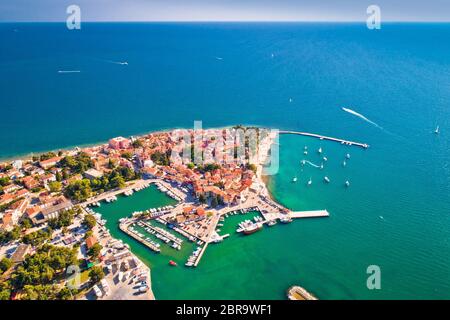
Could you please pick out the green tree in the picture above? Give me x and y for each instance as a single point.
(4, 181)
(47, 156)
(94, 251)
(40, 292)
(117, 182)
(191, 165)
(64, 219)
(5, 291)
(127, 155)
(202, 198)
(137, 143)
(66, 294)
(26, 223)
(55, 186)
(79, 190)
(89, 221)
(96, 274)
(5, 264)
(59, 176)
(38, 238)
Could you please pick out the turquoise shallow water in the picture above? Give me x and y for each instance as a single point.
(398, 78)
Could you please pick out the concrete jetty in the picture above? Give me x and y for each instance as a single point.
(321, 137)
(124, 228)
(309, 214)
(200, 255)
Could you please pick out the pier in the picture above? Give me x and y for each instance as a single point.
(309, 214)
(201, 254)
(321, 137)
(124, 228)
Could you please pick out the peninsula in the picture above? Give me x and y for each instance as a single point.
(48, 208)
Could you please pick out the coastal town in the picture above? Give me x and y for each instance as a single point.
(48, 202)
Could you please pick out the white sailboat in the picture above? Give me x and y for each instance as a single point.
(347, 183)
(294, 179)
(310, 182)
(347, 155)
(320, 150)
(344, 163)
(326, 179)
(437, 130)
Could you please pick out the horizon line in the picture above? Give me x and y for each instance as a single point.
(227, 21)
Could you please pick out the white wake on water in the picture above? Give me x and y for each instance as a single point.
(310, 163)
(359, 115)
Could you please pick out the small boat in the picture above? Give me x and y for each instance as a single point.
(320, 150)
(344, 163)
(437, 130)
(310, 182)
(252, 228)
(347, 155)
(305, 152)
(306, 148)
(172, 263)
(290, 99)
(321, 166)
(286, 219)
(347, 183)
(326, 179)
(325, 159)
(294, 179)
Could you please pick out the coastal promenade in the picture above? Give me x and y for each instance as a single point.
(321, 137)
(135, 185)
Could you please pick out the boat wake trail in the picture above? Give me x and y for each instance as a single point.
(124, 63)
(359, 115)
(310, 163)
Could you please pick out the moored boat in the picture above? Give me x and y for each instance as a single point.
(172, 263)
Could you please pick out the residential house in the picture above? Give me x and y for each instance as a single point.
(46, 164)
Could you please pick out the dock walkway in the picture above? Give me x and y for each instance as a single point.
(201, 254)
(309, 214)
(321, 137)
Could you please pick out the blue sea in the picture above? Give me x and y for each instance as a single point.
(290, 76)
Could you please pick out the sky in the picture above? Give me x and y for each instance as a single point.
(224, 10)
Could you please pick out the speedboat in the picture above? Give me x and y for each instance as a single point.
(344, 163)
(172, 263)
(305, 152)
(326, 179)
